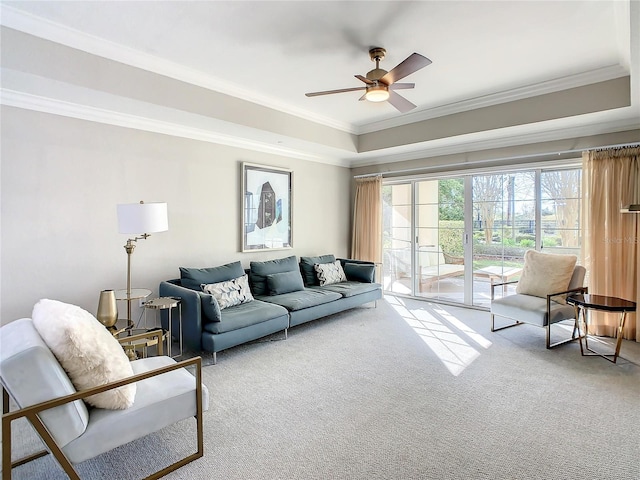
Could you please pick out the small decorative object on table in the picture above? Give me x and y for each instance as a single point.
(107, 309)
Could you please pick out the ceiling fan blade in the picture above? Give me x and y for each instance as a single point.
(409, 65)
(401, 86)
(329, 92)
(364, 79)
(402, 104)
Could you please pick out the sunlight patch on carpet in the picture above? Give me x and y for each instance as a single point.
(443, 333)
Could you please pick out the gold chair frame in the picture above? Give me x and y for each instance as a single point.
(547, 327)
(31, 414)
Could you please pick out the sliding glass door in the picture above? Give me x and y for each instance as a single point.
(439, 235)
(504, 227)
(449, 238)
(397, 244)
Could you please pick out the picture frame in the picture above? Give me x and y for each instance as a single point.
(266, 206)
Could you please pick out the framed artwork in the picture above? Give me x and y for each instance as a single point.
(266, 208)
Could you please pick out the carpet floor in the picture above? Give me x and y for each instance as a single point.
(406, 390)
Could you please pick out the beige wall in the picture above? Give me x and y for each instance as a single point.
(61, 179)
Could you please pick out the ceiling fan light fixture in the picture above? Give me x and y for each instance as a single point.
(377, 93)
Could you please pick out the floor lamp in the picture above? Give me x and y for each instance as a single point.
(139, 219)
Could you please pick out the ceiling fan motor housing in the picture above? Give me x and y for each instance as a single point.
(376, 74)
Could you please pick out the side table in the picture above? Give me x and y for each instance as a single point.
(168, 303)
(136, 294)
(136, 339)
(585, 302)
(504, 275)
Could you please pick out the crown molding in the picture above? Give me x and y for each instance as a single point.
(24, 22)
(585, 78)
(28, 101)
(502, 138)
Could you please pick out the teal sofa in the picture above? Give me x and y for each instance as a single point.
(286, 292)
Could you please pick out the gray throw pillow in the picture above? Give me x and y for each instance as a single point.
(284, 282)
(194, 277)
(308, 270)
(330, 273)
(230, 293)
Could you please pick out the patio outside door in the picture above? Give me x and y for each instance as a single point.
(423, 233)
(449, 239)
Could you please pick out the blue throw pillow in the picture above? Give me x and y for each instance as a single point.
(260, 270)
(194, 277)
(210, 308)
(360, 272)
(284, 282)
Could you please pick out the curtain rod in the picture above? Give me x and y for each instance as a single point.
(564, 152)
(614, 147)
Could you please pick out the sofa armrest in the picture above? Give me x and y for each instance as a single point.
(361, 271)
(192, 320)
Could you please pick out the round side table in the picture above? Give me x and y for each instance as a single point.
(585, 302)
(168, 303)
(135, 294)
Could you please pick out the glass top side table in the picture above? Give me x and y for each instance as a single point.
(585, 302)
(136, 294)
(168, 303)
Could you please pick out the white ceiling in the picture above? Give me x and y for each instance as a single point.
(273, 52)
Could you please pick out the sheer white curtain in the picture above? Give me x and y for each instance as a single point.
(366, 241)
(611, 246)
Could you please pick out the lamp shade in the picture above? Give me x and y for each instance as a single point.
(141, 218)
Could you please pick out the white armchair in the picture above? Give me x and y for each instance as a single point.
(74, 432)
(542, 311)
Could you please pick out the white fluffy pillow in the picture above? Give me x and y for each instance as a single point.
(546, 273)
(87, 351)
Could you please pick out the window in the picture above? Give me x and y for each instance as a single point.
(449, 238)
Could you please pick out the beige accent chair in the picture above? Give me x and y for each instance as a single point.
(542, 312)
(166, 393)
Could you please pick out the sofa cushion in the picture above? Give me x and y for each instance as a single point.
(210, 308)
(260, 270)
(230, 293)
(531, 309)
(284, 282)
(194, 277)
(161, 401)
(245, 315)
(349, 288)
(86, 350)
(360, 272)
(329, 273)
(302, 299)
(308, 270)
(546, 273)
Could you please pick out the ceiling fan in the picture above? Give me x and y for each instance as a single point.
(381, 85)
